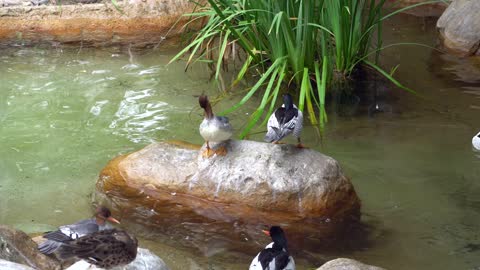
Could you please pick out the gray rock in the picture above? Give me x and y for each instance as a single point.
(145, 260)
(9, 3)
(459, 27)
(16, 246)
(347, 264)
(254, 178)
(13, 266)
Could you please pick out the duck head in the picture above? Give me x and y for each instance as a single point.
(278, 237)
(205, 104)
(103, 214)
(287, 101)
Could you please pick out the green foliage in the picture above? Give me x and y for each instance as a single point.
(304, 42)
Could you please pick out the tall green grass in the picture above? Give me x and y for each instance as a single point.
(304, 43)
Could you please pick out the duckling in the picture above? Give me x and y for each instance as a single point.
(275, 256)
(284, 121)
(214, 128)
(476, 141)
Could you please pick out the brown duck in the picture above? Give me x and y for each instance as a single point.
(105, 249)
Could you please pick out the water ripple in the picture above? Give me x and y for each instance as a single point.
(138, 116)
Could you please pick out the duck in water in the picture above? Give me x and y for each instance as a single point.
(284, 121)
(275, 256)
(476, 141)
(84, 227)
(105, 249)
(213, 128)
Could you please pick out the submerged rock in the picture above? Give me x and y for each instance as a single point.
(459, 27)
(347, 264)
(16, 246)
(256, 182)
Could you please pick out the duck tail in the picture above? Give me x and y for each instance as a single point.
(272, 135)
(49, 246)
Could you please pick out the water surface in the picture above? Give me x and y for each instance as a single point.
(65, 112)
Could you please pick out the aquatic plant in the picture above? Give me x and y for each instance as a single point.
(304, 43)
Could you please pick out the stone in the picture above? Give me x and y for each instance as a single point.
(9, 3)
(150, 23)
(16, 246)
(13, 266)
(347, 264)
(459, 27)
(255, 181)
(145, 260)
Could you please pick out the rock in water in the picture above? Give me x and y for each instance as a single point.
(347, 264)
(16, 246)
(13, 266)
(258, 182)
(145, 260)
(459, 27)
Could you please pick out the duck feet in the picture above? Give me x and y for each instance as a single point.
(208, 153)
(301, 146)
(221, 151)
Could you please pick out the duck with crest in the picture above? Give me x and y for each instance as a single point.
(99, 222)
(213, 128)
(284, 121)
(275, 256)
(105, 249)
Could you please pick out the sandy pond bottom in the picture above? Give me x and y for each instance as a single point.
(65, 112)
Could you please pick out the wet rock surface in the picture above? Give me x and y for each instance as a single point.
(145, 260)
(139, 23)
(13, 266)
(347, 264)
(16, 246)
(255, 181)
(459, 27)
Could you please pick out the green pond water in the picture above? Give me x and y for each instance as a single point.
(65, 112)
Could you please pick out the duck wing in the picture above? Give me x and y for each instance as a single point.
(281, 123)
(66, 233)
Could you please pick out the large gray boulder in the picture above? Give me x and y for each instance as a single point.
(347, 264)
(16, 246)
(459, 27)
(256, 181)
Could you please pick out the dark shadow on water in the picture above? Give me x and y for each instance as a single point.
(311, 242)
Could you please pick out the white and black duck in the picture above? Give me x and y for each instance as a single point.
(55, 239)
(286, 120)
(105, 249)
(476, 141)
(275, 256)
(214, 128)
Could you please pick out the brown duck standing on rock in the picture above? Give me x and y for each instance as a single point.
(105, 249)
(214, 128)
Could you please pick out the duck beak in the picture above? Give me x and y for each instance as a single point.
(266, 232)
(113, 220)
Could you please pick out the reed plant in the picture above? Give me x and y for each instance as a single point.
(304, 43)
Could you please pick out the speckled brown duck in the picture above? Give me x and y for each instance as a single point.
(72, 231)
(105, 249)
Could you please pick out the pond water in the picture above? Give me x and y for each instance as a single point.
(66, 111)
